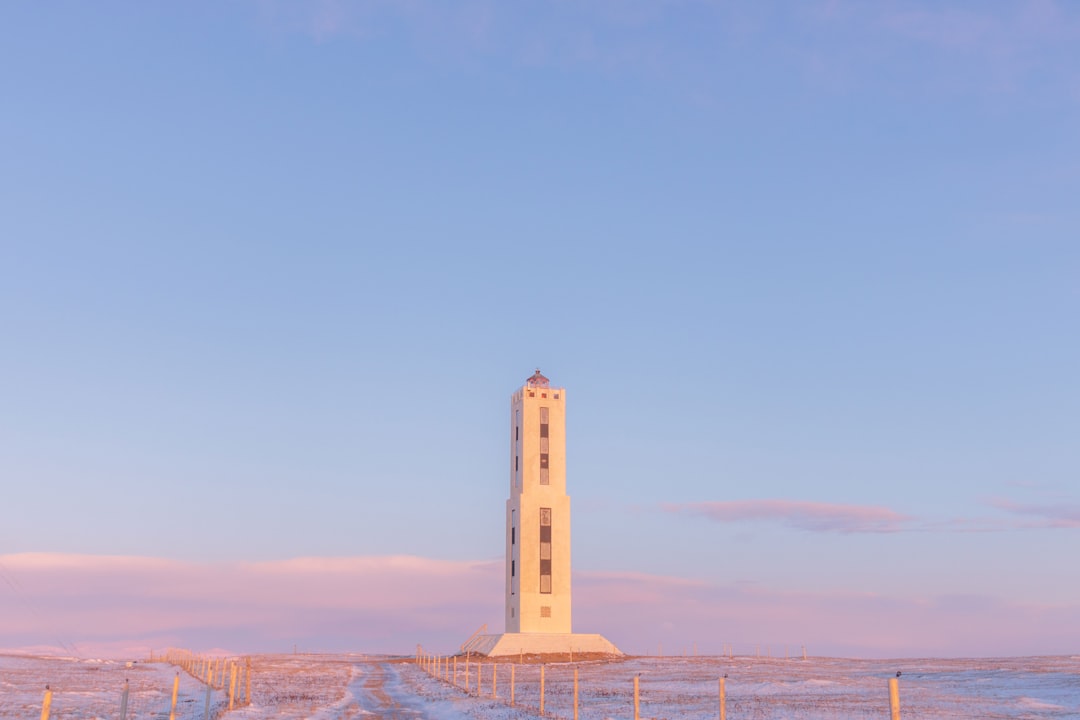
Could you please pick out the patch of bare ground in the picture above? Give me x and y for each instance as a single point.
(298, 685)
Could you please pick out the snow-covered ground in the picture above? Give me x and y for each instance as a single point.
(331, 687)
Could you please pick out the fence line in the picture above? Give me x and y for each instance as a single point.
(199, 667)
(230, 675)
(437, 666)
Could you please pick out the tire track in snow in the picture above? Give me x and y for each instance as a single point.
(371, 696)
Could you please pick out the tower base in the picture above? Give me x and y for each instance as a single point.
(541, 644)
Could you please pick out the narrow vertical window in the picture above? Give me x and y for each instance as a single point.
(544, 478)
(545, 550)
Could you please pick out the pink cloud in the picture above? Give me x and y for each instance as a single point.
(645, 614)
(371, 603)
(800, 515)
(121, 606)
(1042, 516)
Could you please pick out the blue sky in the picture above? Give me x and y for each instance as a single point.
(810, 274)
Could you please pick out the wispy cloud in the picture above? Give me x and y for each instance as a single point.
(376, 603)
(127, 605)
(801, 515)
(1041, 516)
(835, 44)
(646, 612)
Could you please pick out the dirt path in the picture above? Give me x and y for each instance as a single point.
(371, 697)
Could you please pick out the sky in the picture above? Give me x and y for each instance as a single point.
(808, 272)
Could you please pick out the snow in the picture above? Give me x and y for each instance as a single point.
(339, 687)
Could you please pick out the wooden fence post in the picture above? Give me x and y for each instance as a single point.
(175, 691)
(232, 685)
(494, 680)
(894, 698)
(206, 704)
(637, 705)
(512, 668)
(466, 674)
(575, 693)
(723, 700)
(541, 689)
(455, 671)
(46, 704)
(124, 701)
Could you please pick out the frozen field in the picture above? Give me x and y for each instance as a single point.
(350, 686)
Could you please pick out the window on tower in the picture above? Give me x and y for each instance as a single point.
(544, 479)
(545, 550)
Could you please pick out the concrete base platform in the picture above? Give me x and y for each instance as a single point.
(541, 644)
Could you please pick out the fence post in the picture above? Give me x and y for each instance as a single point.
(46, 704)
(175, 691)
(637, 705)
(206, 704)
(124, 701)
(541, 689)
(894, 698)
(455, 671)
(232, 685)
(494, 680)
(723, 700)
(575, 693)
(512, 668)
(466, 674)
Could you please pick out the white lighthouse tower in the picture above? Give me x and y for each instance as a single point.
(538, 512)
(538, 597)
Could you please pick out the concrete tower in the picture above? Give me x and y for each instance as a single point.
(538, 512)
(538, 619)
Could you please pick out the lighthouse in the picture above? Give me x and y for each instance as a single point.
(538, 512)
(538, 571)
